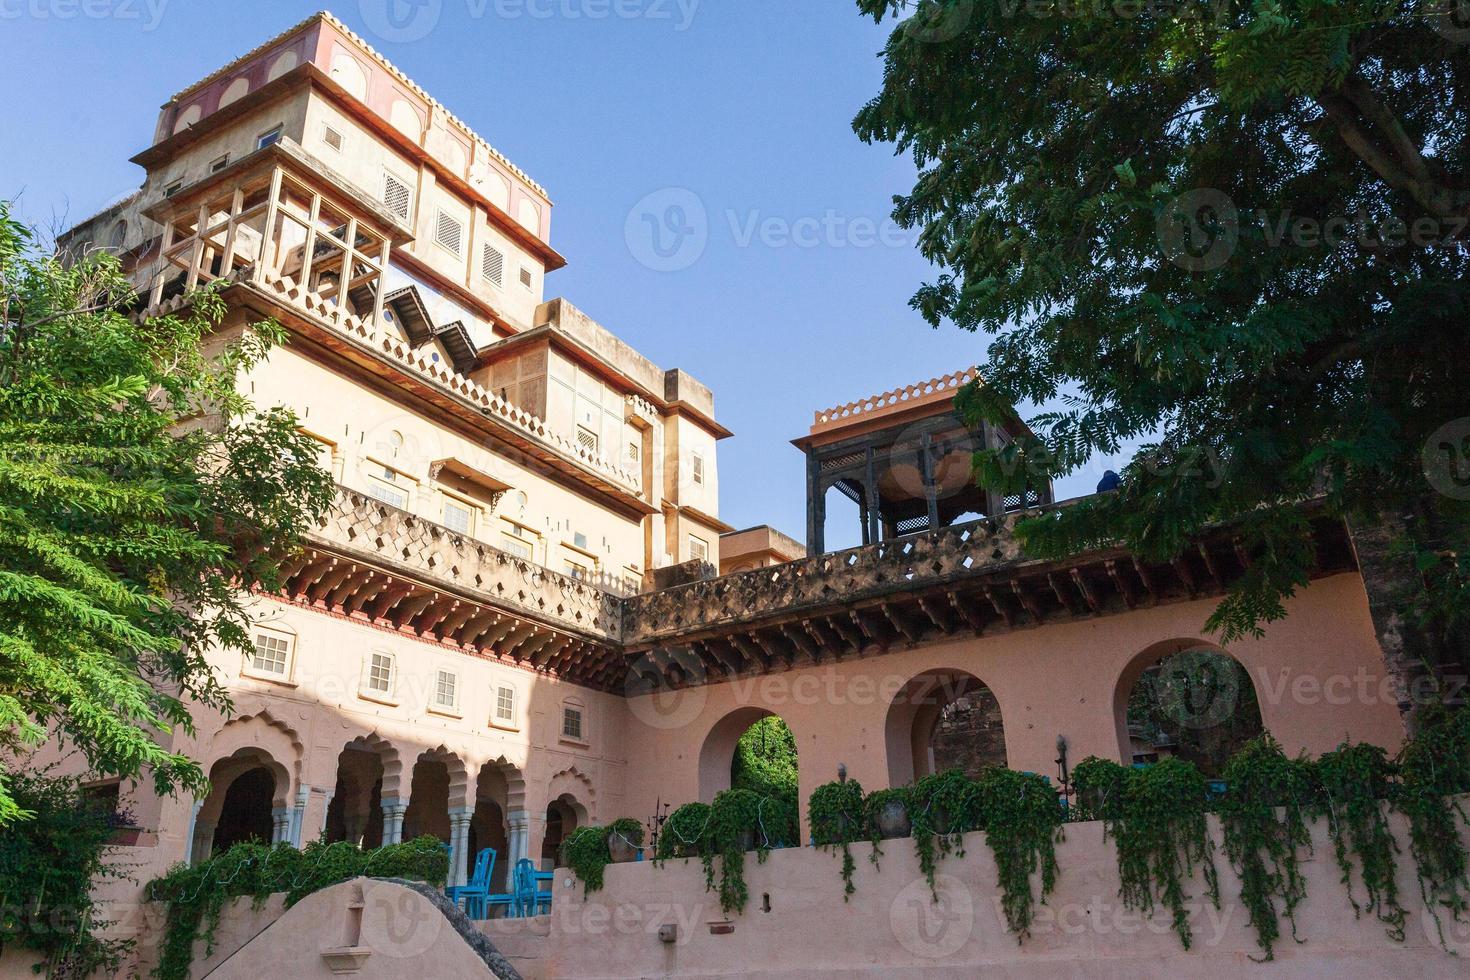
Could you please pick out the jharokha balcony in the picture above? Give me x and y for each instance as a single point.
(289, 238)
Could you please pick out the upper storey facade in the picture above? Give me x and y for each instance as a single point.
(319, 185)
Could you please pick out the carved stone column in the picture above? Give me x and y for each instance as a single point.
(459, 842)
(393, 811)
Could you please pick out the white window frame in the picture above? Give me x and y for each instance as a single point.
(463, 503)
(696, 468)
(277, 635)
(407, 214)
(442, 216)
(496, 721)
(696, 543)
(438, 707)
(367, 691)
(401, 482)
(497, 280)
(219, 163)
(583, 736)
(527, 536)
(271, 136)
(328, 131)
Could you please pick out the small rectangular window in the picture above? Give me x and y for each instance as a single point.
(571, 722)
(505, 704)
(219, 164)
(526, 278)
(459, 517)
(380, 673)
(272, 653)
(697, 468)
(385, 484)
(446, 689)
(587, 439)
(397, 195)
(576, 570)
(332, 138)
(272, 135)
(492, 266)
(633, 452)
(173, 188)
(449, 232)
(698, 548)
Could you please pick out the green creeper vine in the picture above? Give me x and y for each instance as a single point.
(196, 895)
(1356, 782)
(1263, 817)
(945, 807)
(1434, 768)
(1022, 819)
(738, 818)
(1157, 819)
(585, 850)
(837, 818)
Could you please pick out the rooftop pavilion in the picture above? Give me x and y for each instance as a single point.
(903, 457)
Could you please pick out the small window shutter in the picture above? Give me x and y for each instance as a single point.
(526, 278)
(396, 195)
(448, 232)
(493, 266)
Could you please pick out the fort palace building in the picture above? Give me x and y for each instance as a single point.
(524, 613)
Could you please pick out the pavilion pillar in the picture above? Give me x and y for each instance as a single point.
(926, 470)
(191, 842)
(298, 816)
(520, 833)
(816, 507)
(995, 502)
(393, 811)
(281, 825)
(872, 517)
(459, 842)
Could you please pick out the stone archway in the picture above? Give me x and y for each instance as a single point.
(940, 719)
(1188, 698)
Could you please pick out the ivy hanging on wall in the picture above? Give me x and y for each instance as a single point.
(197, 894)
(836, 813)
(738, 821)
(1355, 784)
(585, 851)
(1264, 820)
(1156, 816)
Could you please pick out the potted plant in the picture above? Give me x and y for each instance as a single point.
(624, 839)
(888, 813)
(685, 833)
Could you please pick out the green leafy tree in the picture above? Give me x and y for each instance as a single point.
(142, 498)
(765, 760)
(1232, 232)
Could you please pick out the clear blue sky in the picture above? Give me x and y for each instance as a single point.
(799, 298)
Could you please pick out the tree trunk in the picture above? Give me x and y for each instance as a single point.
(1426, 662)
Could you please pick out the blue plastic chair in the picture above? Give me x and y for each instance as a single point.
(475, 893)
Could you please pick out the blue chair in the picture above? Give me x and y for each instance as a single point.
(475, 893)
(528, 894)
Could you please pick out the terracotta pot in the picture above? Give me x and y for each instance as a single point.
(745, 840)
(620, 850)
(941, 820)
(893, 820)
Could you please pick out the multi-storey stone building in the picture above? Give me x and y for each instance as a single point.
(506, 626)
